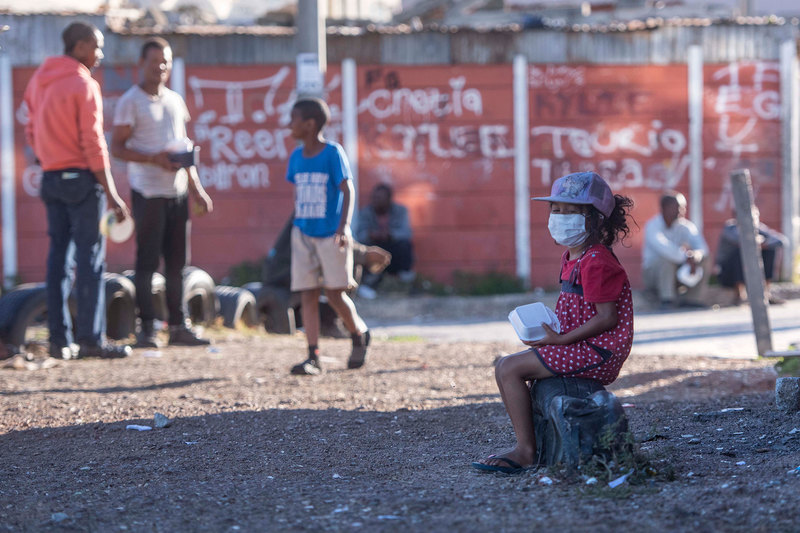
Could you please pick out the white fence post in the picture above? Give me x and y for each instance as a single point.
(790, 154)
(350, 123)
(8, 171)
(522, 193)
(177, 80)
(695, 65)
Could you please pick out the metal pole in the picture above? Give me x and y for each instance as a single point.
(522, 193)
(745, 7)
(311, 47)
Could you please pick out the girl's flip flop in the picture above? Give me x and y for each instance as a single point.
(512, 468)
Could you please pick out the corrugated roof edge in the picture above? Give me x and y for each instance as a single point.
(122, 25)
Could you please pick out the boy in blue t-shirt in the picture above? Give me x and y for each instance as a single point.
(322, 243)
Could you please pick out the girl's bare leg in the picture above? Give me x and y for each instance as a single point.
(512, 373)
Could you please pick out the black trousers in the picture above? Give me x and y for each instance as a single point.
(162, 227)
(731, 272)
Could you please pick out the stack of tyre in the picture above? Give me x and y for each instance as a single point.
(23, 310)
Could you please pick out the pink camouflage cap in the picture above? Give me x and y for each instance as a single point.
(586, 188)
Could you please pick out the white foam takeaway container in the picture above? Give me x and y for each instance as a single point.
(527, 321)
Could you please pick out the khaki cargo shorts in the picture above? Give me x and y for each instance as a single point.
(317, 262)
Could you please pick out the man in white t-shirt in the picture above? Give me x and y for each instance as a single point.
(671, 240)
(149, 125)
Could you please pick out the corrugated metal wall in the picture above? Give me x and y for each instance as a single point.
(33, 37)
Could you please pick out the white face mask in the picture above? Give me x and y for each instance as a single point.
(568, 230)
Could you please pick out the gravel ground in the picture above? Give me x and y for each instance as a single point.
(384, 448)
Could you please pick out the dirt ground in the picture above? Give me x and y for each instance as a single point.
(384, 448)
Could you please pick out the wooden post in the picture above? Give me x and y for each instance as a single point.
(752, 264)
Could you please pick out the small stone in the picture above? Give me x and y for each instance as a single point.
(545, 481)
(58, 517)
(161, 421)
(787, 394)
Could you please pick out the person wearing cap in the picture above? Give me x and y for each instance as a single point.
(670, 241)
(65, 129)
(594, 310)
(149, 118)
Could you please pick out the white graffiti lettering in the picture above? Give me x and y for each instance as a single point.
(490, 141)
(738, 139)
(734, 143)
(233, 139)
(555, 77)
(235, 146)
(623, 173)
(221, 176)
(234, 96)
(604, 141)
(385, 103)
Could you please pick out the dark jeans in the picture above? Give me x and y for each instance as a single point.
(75, 202)
(162, 225)
(731, 272)
(402, 260)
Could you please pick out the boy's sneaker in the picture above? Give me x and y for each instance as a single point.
(359, 354)
(309, 367)
(184, 336)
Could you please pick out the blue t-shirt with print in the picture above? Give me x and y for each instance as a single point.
(317, 197)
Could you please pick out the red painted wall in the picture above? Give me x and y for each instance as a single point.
(443, 137)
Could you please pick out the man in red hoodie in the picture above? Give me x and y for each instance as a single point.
(65, 129)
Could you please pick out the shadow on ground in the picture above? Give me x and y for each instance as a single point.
(361, 469)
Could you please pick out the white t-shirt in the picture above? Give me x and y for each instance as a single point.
(664, 243)
(155, 120)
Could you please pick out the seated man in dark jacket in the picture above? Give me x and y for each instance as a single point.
(729, 259)
(386, 224)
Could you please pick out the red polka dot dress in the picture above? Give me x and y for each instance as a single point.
(594, 277)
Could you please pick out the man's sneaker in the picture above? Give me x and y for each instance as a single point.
(309, 367)
(64, 352)
(104, 351)
(184, 336)
(359, 354)
(147, 338)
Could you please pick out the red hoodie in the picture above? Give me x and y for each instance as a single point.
(65, 116)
